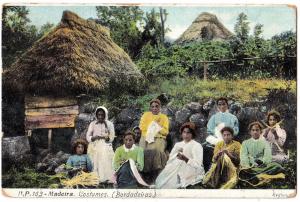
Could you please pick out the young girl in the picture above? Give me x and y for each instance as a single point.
(223, 172)
(184, 166)
(80, 160)
(127, 162)
(100, 135)
(276, 136)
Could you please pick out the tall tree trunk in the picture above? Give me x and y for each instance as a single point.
(163, 18)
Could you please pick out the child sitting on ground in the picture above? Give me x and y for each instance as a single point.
(80, 161)
(127, 162)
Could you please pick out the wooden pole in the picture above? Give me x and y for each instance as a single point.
(205, 66)
(49, 138)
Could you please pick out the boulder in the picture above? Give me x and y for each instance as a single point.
(212, 111)
(235, 108)
(135, 123)
(249, 114)
(194, 107)
(199, 120)
(168, 111)
(208, 105)
(51, 161)
(41, 154)
(120, 128)
(128, 115)
(245, 117)
(201, 134)
(82, 122)
(88, 107)
(15, 148)
(182, 116)
(174, 137)
(16, 152)
(164, 99)
(209, 108)
(172, 124)
(41, 167)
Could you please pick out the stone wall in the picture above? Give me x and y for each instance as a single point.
(19, 150)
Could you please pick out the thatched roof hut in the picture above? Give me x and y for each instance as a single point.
(78, 56)
(205, 27)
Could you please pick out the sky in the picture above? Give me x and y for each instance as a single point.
(275, 19)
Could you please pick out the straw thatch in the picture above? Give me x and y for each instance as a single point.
(214, 29)
(78, 56)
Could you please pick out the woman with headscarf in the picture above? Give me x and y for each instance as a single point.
(184, 166)
(100, 135)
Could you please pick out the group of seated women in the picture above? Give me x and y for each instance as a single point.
(256, 161)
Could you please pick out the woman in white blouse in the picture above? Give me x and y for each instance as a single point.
(184, 166)
(100, 135)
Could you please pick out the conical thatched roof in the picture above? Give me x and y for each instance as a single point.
(78, 56)
(205, 26)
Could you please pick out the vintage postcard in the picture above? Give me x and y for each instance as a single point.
(149, 100)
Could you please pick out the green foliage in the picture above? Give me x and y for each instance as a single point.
(179, 60)
(258, 31)
(123, 24)
(239, 40)
(272, 56)
(266, 58)
(117, 103)
(142, 36)
(27, 178)
(130, 28)
(45, 29)
(143, 101)
(284, 46)
(153, 29)
(242, 28)
(17, 34)
(163, 18)
(290, 171)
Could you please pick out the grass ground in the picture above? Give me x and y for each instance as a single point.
(188, 89)
(185, 90)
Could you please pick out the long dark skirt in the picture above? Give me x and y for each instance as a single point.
(258, 176)
(125, 177)
(208, 152)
